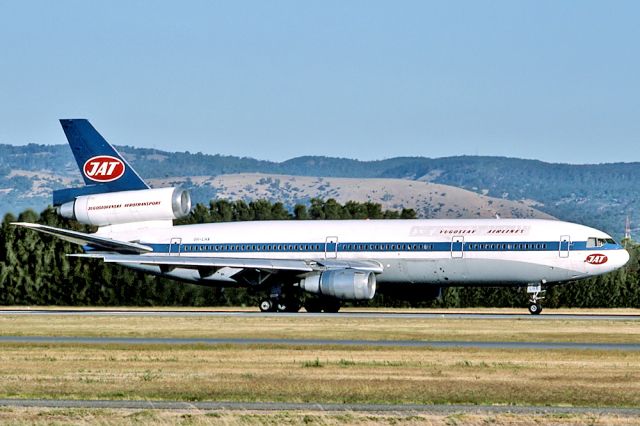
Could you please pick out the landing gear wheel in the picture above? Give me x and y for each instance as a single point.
(293, 306)
(287, 304)
(331, 306)
(535, 291)
(266, 305)
(535, 308)
(312, 305)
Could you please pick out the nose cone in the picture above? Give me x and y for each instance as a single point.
(624, 258)
(617, 259)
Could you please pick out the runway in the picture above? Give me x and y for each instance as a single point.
(288, 406)
(345, 315)
(319, 342)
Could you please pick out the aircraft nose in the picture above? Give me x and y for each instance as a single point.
(618, 259)
(624, 257)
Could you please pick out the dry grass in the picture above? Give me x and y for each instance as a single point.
(318, 327)
(319, 374)
(312, 374)
(46, 416)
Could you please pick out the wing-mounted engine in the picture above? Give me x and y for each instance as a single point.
(347, 284)
(114, 208)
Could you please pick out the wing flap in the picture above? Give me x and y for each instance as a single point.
(203, 262)
(363, 265)
(196, 262)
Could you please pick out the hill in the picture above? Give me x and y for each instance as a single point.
(597, 195)
(428, 199)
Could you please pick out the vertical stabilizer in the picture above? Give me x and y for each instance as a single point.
(101, 165)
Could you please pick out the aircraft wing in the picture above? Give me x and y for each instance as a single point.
(83, 239)
(116, 251)
(193, 262)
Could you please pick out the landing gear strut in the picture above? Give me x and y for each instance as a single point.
(535, 291)
(279, 302)
(285, 298)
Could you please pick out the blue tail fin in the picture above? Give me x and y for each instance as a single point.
(102, 167)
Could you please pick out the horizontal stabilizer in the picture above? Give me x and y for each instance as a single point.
(87, 239)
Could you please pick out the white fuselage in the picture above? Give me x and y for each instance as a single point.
(435, 251)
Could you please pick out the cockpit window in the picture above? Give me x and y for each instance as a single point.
(599, 242)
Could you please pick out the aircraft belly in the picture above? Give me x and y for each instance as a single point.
(471, 272)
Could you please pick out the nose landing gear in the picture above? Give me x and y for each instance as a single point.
(535, 291)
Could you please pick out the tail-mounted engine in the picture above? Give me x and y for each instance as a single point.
(349, 284)
(114, 208)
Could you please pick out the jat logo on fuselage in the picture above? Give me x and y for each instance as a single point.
(596, 259)
(103, 168)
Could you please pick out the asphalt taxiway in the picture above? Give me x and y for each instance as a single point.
(359, 314)
(318, 342)
(309, 406)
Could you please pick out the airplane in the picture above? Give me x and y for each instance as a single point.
(316, 264)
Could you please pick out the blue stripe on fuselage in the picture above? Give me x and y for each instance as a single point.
(377, 247)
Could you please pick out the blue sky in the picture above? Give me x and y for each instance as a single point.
(550, 80)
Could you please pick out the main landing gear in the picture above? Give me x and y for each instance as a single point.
(279, 305)
(277, 301)
(289, 300)
(535, 291)
(322, 304)
(291, 304)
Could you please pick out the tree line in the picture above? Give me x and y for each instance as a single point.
(35, 268)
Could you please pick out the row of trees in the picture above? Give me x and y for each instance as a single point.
(35, 270)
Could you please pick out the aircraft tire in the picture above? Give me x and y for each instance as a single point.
(312, 306)
(535, 308)
(287, 305)
(266, 305)
(293, 305)
(331, 306)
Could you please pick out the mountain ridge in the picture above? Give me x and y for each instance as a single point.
(599, 195)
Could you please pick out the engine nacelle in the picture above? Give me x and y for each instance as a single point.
(114, 208)
(348, 284)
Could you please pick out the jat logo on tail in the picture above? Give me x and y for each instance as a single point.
(103, 168)
(596, 259)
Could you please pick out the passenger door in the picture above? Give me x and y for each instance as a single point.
(457, 247)
(331, 248)
(174, 246)
(565, 243)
